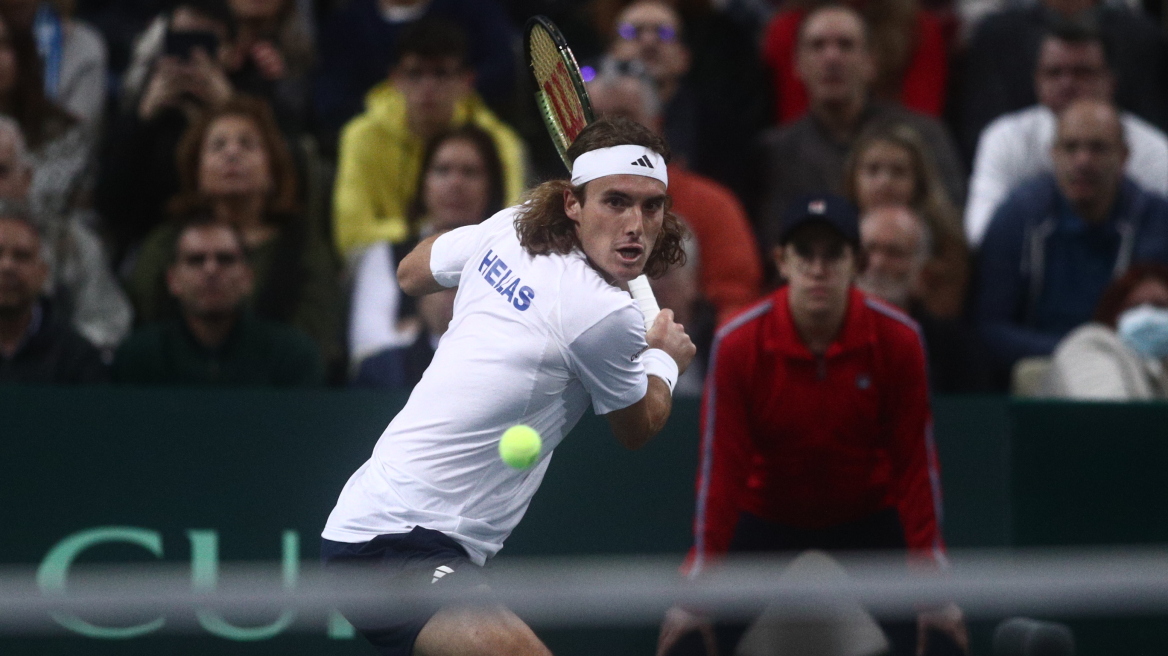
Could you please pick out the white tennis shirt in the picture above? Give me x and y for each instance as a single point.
(534, 340)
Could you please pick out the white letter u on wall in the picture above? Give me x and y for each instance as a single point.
(205, 576)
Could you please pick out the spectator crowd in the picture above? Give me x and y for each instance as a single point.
(217, 191)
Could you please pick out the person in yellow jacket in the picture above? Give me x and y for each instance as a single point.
(429, 90)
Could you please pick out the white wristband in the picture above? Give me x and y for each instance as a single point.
(662, 365)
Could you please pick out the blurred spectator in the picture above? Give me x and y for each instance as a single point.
(73, 55)
(897, 245)
(216, 340)
(835, 62)
(172, 81)
(1072, 64)
(708, 78)
(381, 150)
(729, 271)
(35, 345)
(890, 166)
(1122, 354)
(907, 42)
(1004, 49)
(234, 162)
(362, 43)
(80, 281)
(262, 47)
(271, 57)
(816, 422)
(58, 147)
(461, 184)
(1058, 240)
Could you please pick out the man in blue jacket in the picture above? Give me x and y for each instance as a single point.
(1058, 240)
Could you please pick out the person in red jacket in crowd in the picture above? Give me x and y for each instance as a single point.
(816, 425)
(910, 45)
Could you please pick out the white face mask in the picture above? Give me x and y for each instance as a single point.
(1145, 329)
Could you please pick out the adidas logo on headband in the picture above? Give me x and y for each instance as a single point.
(615, 161)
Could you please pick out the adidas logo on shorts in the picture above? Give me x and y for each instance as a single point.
(441, 571)
(642, 161)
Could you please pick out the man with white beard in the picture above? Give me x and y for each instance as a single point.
(896, 245)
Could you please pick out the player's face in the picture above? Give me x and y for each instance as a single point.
(210, 276)
(618, 222)
(234, 159)
(819, 266)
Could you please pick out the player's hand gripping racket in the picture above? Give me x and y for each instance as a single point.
(566, 110)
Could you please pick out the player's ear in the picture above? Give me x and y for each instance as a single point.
(572, 205)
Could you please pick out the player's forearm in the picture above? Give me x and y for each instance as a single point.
(414, 274)
(636, 425)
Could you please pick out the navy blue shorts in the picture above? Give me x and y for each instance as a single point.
(420, 556)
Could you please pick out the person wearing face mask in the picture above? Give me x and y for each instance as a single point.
(1059, 240)
(1122, 354)
(392, 338)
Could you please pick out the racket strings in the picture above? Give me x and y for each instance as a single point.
(559, 100)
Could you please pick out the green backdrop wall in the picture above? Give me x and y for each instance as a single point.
(252, 465)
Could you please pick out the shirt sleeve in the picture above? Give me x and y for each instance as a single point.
(451, 251)
(724, 461)
(607, 357)
(994, 173)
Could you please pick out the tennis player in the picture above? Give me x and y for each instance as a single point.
(543, 327)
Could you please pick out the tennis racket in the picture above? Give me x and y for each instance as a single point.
(566, 110)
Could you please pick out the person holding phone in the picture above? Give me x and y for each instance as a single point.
(178, 72)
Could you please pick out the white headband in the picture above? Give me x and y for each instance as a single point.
(618, 160)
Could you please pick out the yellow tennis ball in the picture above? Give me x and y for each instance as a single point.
(519, 446)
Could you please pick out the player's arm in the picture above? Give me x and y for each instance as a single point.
(436, 263)
(414, 274)
(635, 425)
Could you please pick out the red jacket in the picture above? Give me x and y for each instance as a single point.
(814, 441)
(922, 87)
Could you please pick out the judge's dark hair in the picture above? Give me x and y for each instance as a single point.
(545, 228)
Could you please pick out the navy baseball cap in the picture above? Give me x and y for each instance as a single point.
(832, 209)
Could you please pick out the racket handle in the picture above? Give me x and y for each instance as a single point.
(643, 294)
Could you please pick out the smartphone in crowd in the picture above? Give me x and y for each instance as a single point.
(183, 44)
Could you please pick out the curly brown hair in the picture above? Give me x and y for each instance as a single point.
(545, 228)
(284, 197)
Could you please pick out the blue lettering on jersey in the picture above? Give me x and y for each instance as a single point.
(492, 273)
(496, 272)
(488, 260)
(526, 294)
(510, 291)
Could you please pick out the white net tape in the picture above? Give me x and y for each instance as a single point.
(630, 591)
